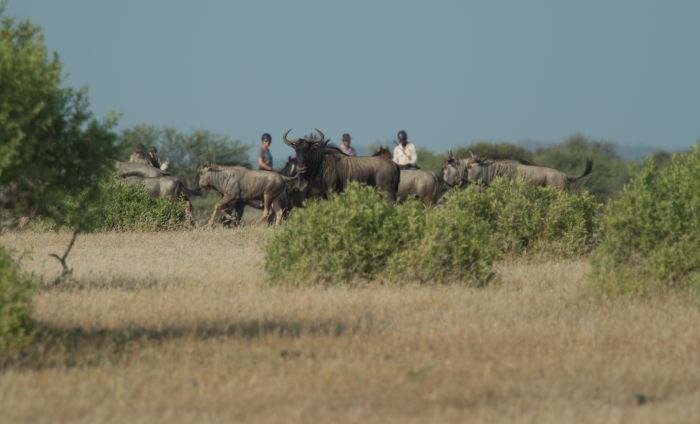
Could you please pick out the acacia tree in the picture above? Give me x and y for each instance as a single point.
(52, 149)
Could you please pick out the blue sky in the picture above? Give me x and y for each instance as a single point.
(448, 72)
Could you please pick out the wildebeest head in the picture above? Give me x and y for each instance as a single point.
(203, 177)
(384, 152)
(290, 168)
(454, 171)
(302, 147)
(475, 169)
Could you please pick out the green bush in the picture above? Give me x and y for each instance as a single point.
(16, 325)
(348, 236)
(526, 219)
(455, 245)
(359, 234)
(652, 232)
(124, 207)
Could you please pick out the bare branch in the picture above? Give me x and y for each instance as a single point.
(62, 259)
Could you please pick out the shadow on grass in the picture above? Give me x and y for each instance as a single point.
(76, 347)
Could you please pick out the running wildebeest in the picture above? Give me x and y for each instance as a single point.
(292, 197)
(484, 171)
(328, 169)
(166, 187)
(425, 185)
(238, 183)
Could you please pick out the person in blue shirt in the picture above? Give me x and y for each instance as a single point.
(265, 157)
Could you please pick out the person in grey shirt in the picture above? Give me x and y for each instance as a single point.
(346, 147)
(265, 157)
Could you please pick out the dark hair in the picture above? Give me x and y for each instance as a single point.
(346, 135)
(402, 135)
(266, 136)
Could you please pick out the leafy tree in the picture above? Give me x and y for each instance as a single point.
(185, 151)
(52, 147)
(661, 158)
(51, 151)
(429, 160)
(610, 172)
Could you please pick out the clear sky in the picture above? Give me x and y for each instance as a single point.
(448, 72)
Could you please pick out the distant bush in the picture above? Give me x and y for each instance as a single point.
(16, 325)
(359, 234)
(652, 232)
(124, 207)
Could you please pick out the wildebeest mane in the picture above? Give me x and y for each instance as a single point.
(230, 164)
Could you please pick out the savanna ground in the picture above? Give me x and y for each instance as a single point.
(183, 327)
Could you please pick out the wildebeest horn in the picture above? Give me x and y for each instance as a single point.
(449, 155)
(322, 136)
(287, 141)
(472, 154)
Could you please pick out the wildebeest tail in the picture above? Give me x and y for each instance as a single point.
(589, 168)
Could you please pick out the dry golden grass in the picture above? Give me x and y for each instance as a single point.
(180, 327)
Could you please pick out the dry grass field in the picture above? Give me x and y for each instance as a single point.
(182, 327)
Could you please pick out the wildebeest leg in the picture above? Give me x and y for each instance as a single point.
(240, 205)
(219, 206)
(188, 212)
(267, 208)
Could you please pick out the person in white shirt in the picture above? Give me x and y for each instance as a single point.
(405, 153)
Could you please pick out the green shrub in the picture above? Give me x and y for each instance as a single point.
(124, 207)
(456, 245)
(350, 235)
(359, 234)
(652, 232)
(527, 219)
(16, 325)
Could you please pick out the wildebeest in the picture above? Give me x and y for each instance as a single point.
(292, 197)
(128, 169)
(425, 185)
(295, 192)
(166, 187)
(238, 183)
(484, 171)
(329, 169)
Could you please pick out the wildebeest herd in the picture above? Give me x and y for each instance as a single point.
(318, 169)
